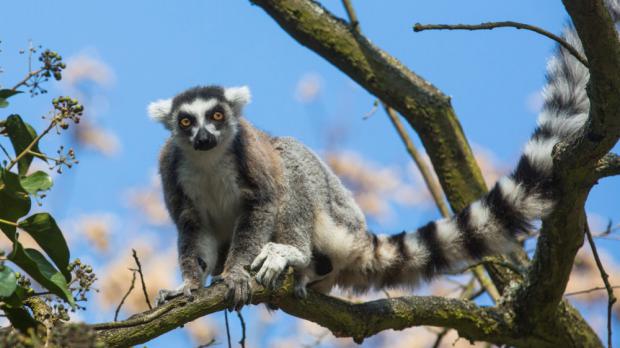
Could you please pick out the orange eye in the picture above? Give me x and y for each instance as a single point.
(217, 116)
(185, 122)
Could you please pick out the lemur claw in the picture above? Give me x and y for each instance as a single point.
(239, 290)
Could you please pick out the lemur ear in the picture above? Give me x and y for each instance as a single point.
(159, 110)
(238, 95)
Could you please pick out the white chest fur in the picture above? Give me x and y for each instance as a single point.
(210, 181)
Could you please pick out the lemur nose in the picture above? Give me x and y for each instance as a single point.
(204, 140)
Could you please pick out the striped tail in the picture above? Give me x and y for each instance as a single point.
(489, 225)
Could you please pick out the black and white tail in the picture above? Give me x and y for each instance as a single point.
(489, 225)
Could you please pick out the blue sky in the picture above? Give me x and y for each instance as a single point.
(155, 49)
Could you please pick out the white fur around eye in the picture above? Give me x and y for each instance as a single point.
(238, 95)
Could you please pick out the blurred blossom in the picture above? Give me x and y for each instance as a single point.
(87, 77)
(308, 88)
(98, 139)
(492, 169)
(201, 330)
(159, 268)
(585, 275)
(86, 67)
(95, 228)
(423, 337)
(149, 201)
(374, 188)
(317, 335)
(24, 238)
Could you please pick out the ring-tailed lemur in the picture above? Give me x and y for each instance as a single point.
(241, 197)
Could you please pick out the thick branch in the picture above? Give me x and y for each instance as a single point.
(426, 108)
(575, 164)
(342, 318)
(600, 43)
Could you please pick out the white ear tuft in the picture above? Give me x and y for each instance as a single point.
(160, 109)
(238, 95)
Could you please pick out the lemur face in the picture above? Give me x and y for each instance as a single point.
(202, 117)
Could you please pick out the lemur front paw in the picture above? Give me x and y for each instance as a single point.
(186, 288)
(239, 290)
(271, 262)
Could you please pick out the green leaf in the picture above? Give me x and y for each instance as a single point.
(7, 93)
(14, 201)
(44, 230)
(37, 181)
(8, 282)
(19, 317)
(21, 134)
(41, 270)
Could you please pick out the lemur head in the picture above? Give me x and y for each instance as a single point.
(202, 117)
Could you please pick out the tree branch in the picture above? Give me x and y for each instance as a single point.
(510, 24)
(342, 318)
(611, 299)
(139, 270)
(609, 165)
(426, 108)
(429, 180)
(574, 168)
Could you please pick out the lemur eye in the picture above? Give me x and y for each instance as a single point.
(185, 122)
(217, 116)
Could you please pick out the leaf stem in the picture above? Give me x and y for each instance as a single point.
(33, 143)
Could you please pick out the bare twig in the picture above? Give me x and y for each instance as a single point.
(492, 25)
(610, 292)
(486, 283)
(146, 295)
(355, 24)
(227, 328)
(429, 180)
(440, 337)
(24, 81)
(133, 283)
(242, 322)
(5, 152)
(494, 261)
(587, 291)
(373, 110)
